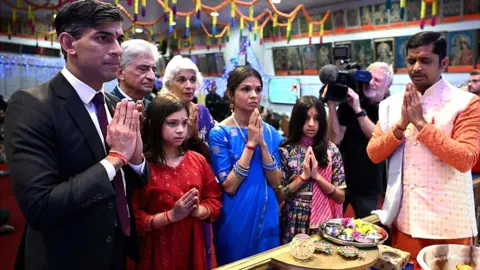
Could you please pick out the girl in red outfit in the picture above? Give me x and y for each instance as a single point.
(175, 210)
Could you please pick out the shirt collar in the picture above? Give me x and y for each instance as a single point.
(125, 94)
(85, 92)
(438, 86)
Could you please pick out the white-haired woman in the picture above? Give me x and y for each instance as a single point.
(182, 79)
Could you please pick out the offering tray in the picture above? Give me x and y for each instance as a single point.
(353, 232)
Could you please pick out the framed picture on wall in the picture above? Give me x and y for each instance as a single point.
(362, 52)
(401, 54)
(395, 19)
(324, 55)
(380, 14)
(280, 61)
(282, 31)
(296, 27)
(294, 61)
(203, 64)
(471, 10)
(461, 51)
(303, 25)
(268, 30)
(451, 10)
(412, 11)
(383, 50)
(339, 21)
(212, 65)
(220, 63)
(353, 18)
(478, 49)
(366, 16)
(309, 60)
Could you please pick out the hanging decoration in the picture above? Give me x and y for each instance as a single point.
(403, 3)
(433, 21)
(232, 14)
(174, 7)
(135, 10)
(255, 24)
(144, 7)
(310, 32)
(165, 10)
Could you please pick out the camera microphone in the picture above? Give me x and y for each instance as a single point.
(328, 74)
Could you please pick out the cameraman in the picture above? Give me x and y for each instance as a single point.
(351, 127)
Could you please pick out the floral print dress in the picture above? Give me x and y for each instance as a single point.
(295, 213)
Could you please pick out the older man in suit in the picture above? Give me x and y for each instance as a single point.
(73, 161)
(136, 76)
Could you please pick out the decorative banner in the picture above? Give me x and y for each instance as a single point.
(135, 10)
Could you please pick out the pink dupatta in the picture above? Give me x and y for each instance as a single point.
(324, 208)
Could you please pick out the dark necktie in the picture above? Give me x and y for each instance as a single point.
(117, 182)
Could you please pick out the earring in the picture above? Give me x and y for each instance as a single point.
(232, 107)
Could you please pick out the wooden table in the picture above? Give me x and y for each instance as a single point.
(333, 261)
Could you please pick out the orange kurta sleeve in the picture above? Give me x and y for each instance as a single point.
(382, 144)
(462, 149)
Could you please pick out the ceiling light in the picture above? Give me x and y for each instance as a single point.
(214, 14)
(276, 1)
(54, 16)
(174, 23)
(139, 30)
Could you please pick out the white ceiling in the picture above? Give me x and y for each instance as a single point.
(154, 10)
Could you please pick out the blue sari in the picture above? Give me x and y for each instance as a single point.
(249, 220)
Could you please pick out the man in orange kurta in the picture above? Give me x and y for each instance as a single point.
(431, 135)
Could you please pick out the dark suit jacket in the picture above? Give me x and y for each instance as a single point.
(53, 152)
(117, 93)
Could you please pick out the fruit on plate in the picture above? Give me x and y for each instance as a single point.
(348, 231)
(464, 267)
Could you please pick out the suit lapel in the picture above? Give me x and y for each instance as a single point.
(111, 102)
(76, 108)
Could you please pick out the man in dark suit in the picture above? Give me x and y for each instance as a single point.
(73, 162)
(136, 76)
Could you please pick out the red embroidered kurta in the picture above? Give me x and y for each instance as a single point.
(184, 244)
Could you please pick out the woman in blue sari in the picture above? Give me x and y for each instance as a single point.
(245, 158)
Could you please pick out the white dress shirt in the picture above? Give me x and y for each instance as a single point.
(86, 94)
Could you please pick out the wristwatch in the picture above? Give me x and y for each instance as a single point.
(362, 113)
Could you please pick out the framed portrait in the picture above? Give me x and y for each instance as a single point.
(451, 10)
(212, 65)
(395, 19)
(203, 64)
(220, 62)
(353, 18)
(296, 27)
(339, 20)
(347, 44)
(401, 54)
(324, 55)
(383, 50)
(294, 61)
(303, 25)
(328, 26)
(268, 30)
(461, 51)
(243, 45)
(412, 10)
(328, 23)
(471, 9)
(362, 52)
(366, 15)
(280, 61)
(381, 14)
(309, 54)
(161, 65)
(478, 49)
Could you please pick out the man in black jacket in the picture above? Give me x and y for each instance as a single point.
(73, 162)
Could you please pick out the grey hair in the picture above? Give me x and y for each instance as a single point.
(173, 68)
(135, 47)
(388, 69)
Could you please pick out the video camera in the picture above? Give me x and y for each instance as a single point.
(350, 75)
